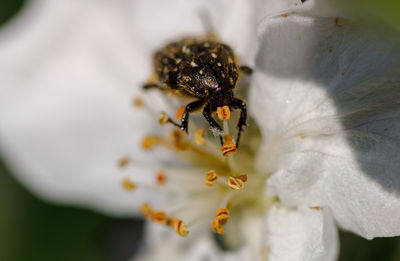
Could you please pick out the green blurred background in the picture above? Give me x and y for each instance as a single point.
(31, 229)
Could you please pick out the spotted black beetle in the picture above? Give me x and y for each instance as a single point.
(201, 67)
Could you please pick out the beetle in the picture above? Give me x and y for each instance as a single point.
(204, 68)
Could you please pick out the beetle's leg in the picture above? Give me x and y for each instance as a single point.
(239, 104)
(157, 85)
(246, 69)
(188, 109)
(185, 116)
(214, 125)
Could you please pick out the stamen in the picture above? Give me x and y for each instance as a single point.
(128, 185)
(179, 112)
(138, 102)
(177, 140)
(243, 177)
(211, 178)
(180, 227)
(124, 162)
(161, 178)
(221, 218)
(159, 217)
(215, 226)
(235, 183)
(224, 113)
(199, 137)
(162, 119)
(149, 142)
(228, 147)
(222, 215)
(146, 210)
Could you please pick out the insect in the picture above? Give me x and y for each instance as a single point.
(204, 68)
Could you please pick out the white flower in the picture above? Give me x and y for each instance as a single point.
(324, 93)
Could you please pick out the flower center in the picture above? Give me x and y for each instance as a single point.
(220, 184)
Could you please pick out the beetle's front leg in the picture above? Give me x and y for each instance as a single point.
(214, 125)
(239, 104)
(246, 69)
(185, 116)
(158, 85)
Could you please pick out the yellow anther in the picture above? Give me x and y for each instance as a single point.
(124, 162)
(138, 102)
(222, 215)
(180, 227)
(235, 183)
(224, 113)
(179, 112)
(161, 178)
(228, 147)
(177, 140)
(243, 177)
(162, 119)
(216, 227)
(159, 217)
(199, 137)
(146, 210)
(128, 185)
(149, 142)
(211, 178)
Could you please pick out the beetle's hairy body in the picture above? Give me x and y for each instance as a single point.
(198, 67)
(203, 68)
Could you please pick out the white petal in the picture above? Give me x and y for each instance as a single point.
(66, 119)
(326, 96)
(303, 234)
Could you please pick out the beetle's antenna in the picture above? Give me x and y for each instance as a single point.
(206, 20)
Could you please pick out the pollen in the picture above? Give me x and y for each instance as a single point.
(124, 162)
(146, 210)
(243, 177)
(211, 178)
(128, 185)
(180, 227)
(178, 142)
(162, 119)
(228, 147)
(159, 217)
(161, 178)
(179, 112)
(222, 215)
(199, 136)
(235, 183)
(149, 142)
(216, 227)
(138, 102)
(221, 218)
(224, 113)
